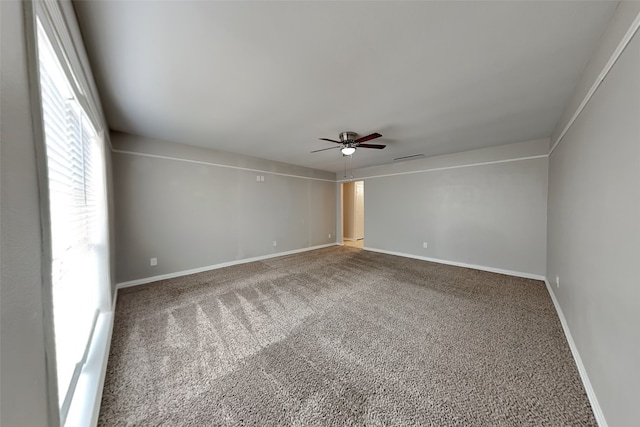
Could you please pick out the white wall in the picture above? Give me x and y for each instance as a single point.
(480, 207)
(23, 364)
(348, 206)
(339, 213)
(197, 213)
(358, 220)
(594, 231)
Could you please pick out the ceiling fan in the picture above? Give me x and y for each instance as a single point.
(349, 141)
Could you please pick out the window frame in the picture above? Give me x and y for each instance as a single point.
(54, 16)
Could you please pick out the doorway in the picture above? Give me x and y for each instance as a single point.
(353, 214)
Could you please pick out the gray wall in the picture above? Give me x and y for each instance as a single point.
(22, 328)
(193, 214)
(594, 236)
(490, 215)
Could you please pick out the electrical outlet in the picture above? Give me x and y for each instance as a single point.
(262, 178)
(557, 281)
(275, 243)
(329, 235)
(153, 262)
(258, 178)
(424, 245)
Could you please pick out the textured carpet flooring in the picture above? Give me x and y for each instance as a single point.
(341, 336)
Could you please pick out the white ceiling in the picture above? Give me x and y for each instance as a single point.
(268, 79)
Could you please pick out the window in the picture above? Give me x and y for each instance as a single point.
(78, 219)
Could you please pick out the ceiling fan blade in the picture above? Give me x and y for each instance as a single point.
(368, 137)
(322, 149)
(330, 140)
(378, 146)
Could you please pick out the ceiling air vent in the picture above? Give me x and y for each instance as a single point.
(411, 157)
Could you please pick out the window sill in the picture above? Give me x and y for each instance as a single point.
(85, 405)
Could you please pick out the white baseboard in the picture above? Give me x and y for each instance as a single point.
(460, 264)
(591, 394)
(146, 280)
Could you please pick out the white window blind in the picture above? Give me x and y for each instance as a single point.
(77, 199)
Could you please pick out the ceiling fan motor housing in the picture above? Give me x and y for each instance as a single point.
(348, 137)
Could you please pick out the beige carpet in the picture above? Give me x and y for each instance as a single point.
(341, 336)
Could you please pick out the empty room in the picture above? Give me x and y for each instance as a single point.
(320, 213)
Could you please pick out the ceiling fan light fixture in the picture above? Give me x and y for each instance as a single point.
(347, 151)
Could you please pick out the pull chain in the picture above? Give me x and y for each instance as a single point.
(351, 167)
(350, 157)
(345, 167)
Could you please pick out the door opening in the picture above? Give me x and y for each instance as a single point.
(353, 213)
